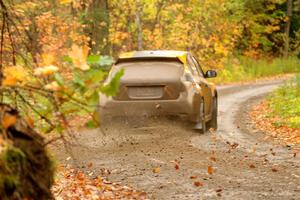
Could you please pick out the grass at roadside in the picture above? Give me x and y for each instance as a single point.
(285, 103)
(279, 115)
(246, 69)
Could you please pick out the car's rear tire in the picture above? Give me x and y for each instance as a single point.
(213, 123)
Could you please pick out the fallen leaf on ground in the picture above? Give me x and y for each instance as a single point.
(90, 165)
(219, 190)
(73, 184)
(210, 170)
(252, 166)
(234, 145)
(274, 170)
(213, 159)
(80, 176)
(260, 116)
(198, 184)
(156, 170)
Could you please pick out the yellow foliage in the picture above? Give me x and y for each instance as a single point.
(14, 75)
(48, 59)
(8, 120)
(79, 56)
(53, 86)
(45, 71)
(65, 1)
(29, 120)
(168, 26)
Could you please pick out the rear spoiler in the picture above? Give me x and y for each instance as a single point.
(140, 59)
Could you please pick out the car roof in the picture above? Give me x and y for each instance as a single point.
(151, 54)
(138, 55)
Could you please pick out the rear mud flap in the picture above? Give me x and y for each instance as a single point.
(198, 126)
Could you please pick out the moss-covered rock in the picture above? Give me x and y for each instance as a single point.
(26, 170)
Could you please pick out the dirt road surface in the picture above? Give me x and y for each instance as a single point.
(169, 160)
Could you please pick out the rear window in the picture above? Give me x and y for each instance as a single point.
(131, 60)
(149, 68)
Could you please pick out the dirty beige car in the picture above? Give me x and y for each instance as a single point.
(160, 83)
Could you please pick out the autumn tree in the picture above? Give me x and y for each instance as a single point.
(139, 25)
(288, 27)
(96, 23)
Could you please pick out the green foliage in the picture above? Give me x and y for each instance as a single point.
(244, 68)
(13, 156)
(11, 161)
(81, 94)
(263, 26)
(100, 61)
(285, 103)
(91, 124)
(112, 88)
(76, 94)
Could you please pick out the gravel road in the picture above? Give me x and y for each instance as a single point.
(168, 160)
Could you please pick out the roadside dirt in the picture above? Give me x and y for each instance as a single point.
(168, 160)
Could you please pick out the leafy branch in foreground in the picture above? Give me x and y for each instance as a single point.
(50, 78)
(49, 94)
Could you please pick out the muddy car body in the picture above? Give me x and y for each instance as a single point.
(162, 83)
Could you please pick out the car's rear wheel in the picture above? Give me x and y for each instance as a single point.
(213, 123)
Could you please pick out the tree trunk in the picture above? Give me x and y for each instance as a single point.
(288, 28)
(98, 30)
(139, 25)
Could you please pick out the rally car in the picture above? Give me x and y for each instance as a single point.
(162, 83)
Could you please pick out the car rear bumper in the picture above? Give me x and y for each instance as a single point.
(183, 106)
